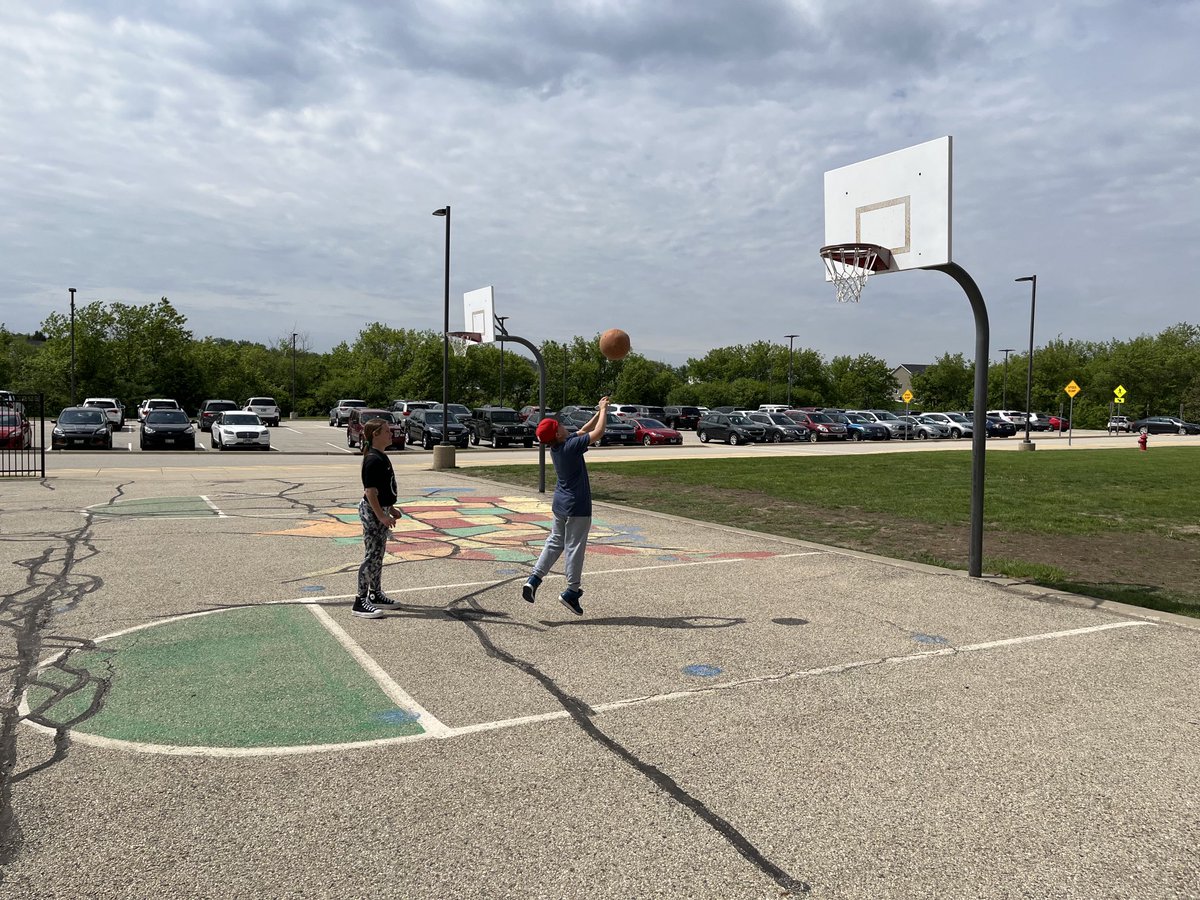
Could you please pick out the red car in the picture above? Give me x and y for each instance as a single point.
(652, 431)
(354, 427)
(1059, 423)
(15, 431)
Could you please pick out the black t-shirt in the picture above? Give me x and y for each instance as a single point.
(377, 473)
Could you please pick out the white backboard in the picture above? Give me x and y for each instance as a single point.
(479, 313)
(901, 201)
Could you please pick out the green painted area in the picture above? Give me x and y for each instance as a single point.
(499, 553)
(257, 677)
(157, 506)
(470, 532)
(489, 511)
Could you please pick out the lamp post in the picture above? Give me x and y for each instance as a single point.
(791, 355)
(500, 320)
(72, 290)
(1032, 279)
(1004, 399)
(443, 456)
(293, 413)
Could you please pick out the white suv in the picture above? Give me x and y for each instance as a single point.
(112, 409)
(265, 408)
(1015, 416)
(155, 403)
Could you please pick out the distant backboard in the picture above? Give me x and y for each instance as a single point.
(900, 201)
(479, 314)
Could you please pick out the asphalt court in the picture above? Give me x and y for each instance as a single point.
(735, 715)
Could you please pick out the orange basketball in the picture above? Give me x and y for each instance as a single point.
(614, 344)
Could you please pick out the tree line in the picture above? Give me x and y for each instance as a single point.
(132, 352)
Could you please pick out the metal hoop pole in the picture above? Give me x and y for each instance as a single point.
(541, 364)
(979, 427)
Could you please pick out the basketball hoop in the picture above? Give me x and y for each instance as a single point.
(461, 341)
(849, 266)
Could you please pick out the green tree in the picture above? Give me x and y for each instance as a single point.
(863, 381)
(948, 383)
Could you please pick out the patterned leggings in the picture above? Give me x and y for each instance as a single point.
(375, 534)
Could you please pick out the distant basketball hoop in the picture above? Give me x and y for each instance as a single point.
(849, 266)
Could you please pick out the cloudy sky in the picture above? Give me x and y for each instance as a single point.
(655, 165)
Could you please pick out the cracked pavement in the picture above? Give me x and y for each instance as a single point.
(848, 745)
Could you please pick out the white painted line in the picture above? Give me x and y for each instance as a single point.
(214, 507)
(443, 732)
(337, 447)
(395, 693)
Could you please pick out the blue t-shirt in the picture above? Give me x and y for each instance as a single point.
(573, 492)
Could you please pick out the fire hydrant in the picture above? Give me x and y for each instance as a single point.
(1142, 440)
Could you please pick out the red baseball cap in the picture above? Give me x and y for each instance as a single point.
(547, 430)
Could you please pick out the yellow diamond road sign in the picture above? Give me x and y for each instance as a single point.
(907, 395)
(1119, 390)
(1072, 389)
(1118, 400)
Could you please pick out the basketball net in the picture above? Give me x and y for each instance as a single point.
(849, 268)
(460, 341)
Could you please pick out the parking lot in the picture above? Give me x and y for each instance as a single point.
(736, 715)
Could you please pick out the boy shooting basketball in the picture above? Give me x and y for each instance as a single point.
(572, 504)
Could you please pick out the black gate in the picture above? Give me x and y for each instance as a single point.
(22, 435)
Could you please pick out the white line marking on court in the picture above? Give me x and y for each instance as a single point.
(213, 507)
(446, 733)
(395, 693)
(338, 447)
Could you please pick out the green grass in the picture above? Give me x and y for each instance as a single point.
(1046, 512)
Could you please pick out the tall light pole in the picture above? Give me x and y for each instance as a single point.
(447, 457)
(501, 320)
(72, 290)
(293, 413)
(791, 338)
(1032, 279)
(1004, 400)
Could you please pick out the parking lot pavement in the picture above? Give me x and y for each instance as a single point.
(734, 716)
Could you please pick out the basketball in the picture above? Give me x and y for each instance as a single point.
(614, 344)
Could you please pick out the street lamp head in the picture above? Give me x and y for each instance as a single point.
(72, 290)
(1027, 278)
(442, 211)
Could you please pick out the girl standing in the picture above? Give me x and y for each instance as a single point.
(378, 514)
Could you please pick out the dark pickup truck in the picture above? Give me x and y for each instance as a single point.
(498, 426)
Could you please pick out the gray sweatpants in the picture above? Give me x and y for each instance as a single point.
(569, 533)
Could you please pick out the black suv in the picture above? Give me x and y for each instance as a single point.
(733, 428)
(424, 427)
(681, 416)
(210, 410)
(498, 425)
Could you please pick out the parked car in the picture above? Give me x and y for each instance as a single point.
(862, 428)
(616, 429)
(997, 427)
(899, 428)
(732, 427)
(458, 412)
(155, 403)
(1164, 425)
(821, 426)
(1012, 416)
(361, 415)
(266, 409)
(167, 428)
(624, 410)
(680, 417)
(927, 428)
(340, 414)
(238, 429)
(779, 427)
(1118, 424)
(405, 407)
(960, 426)
(652, 431)
(1060, 423)
(499, 426)
(15, 431)
(1040, 422)
(210, 409)
(424, 427)
(81, 427)
(112, 407)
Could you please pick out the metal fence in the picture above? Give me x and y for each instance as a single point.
(22, 435)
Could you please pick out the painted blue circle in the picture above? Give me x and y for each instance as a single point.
(313, 587)
(929, 639)
(667, 558)
(508, 571)
(397, 717)
(700, 670)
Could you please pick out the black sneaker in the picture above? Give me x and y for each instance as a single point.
(529, 588)
(570, 599)
(382, 601)
(365, 609)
